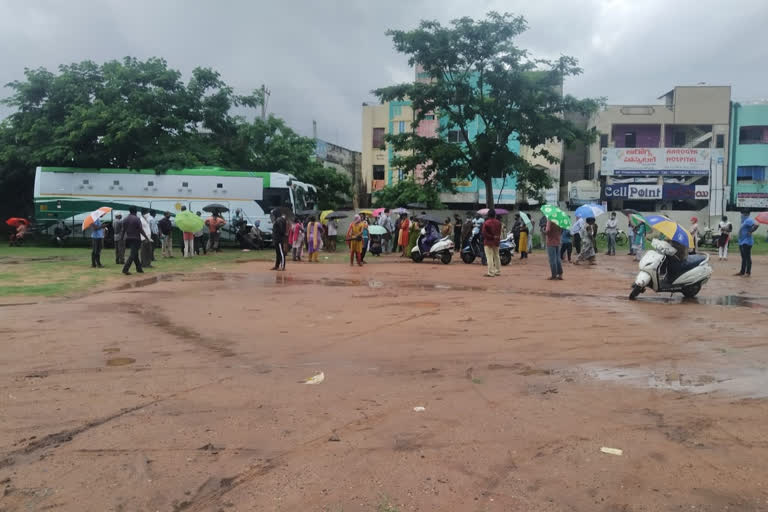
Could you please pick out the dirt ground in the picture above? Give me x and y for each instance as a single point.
(187, 393)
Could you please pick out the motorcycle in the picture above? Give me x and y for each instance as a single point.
(663, 273)
(506, 248)
(473, 248)
(442, 249)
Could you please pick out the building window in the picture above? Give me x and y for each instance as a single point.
(753, 135)
(401, 127)
(751, 173)
(720, 140)
(454, 136)
(603, 140)
(589, 172)
(678, 139)
(85, 182)
(400, 175)
(378, 172)
(219, 185)
(429, 117)
(150, 183)
(378, 138)
(185, 184)
(630, 140)
(115, 182)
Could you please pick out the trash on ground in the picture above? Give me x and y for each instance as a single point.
(317, 379)
(611, 451)
(334, 438)
(419, 408)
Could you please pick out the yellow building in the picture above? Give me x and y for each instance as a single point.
(393, 117)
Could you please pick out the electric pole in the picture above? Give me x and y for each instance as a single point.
(264, 100)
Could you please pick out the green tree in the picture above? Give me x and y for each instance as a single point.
(141, 115)
(407, 191)
(474, 73)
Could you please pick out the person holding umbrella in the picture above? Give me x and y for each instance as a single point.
(97, 243)
(215, 222)
(553, 234)
(18, 230)
(588, 236)
(133, 231)
(694, 231)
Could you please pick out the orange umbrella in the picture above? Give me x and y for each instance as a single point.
(95, 215)
(14, 222)
(762, 217)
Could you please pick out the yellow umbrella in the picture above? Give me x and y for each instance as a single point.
(367, 212)
(324, 214)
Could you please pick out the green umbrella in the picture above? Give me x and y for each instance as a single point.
(556, 216)
(189, 222)
(377, 230)
(526, 220)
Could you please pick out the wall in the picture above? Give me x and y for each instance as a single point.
(373, 116)
(646, 136)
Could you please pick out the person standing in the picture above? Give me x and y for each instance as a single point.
(201, 242)
(566, 246)
(746, 241)
(97, 243)
(726, 228)
(279, 237)
(119, 242)
(491, 231)
(524, 241)
(366, 240)
(631, 237)
(146, 240)
(695, 234)
(165, 227)
(355, 241)
(214, 223)
(611, 230)
(405, 226)
(314, 239)
(154, 230)
(576, 229)
(333, 229)
(133, 233)
(554, 235)
(385, 222)
(296, 239)
(588, 236)
(447, 228)
(516, 225)
(638, 246)
(542, 232)
(457, 232)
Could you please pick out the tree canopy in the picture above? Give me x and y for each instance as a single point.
(141, 115)
(405, 192)
(481, 85)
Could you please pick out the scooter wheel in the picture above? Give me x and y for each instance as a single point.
(691, 291)
(467, 257)
(506, 258)
(445, 258)
(417, 257)
(636, 290)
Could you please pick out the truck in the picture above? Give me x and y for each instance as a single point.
(68, 194)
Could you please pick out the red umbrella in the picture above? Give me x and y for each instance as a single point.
(14, 222)
(762, 217)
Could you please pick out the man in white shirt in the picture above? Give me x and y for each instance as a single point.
(333, 228)
(576, 233)
(385, 222)
(146, 243)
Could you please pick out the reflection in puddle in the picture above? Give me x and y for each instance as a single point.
(741, 382)
(725, 300)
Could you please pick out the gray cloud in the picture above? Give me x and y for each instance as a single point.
(322, 58)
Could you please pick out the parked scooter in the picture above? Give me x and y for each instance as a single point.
(442, 249)
(473, 248)
(506, 248)
(661, 271)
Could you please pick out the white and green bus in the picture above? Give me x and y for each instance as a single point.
(68, 193)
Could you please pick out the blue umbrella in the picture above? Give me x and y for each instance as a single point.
(670, 229)
(589, 210)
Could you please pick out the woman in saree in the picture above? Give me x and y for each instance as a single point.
(402, 240)
(314, 239)
(355, 241)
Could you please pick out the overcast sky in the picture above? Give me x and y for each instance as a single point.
(321, 58)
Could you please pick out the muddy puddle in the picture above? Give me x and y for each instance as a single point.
(120, 361)
(741, 382)
(725, 300)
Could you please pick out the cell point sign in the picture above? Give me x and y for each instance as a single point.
(632, 191)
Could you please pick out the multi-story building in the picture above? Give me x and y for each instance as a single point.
(748, 155)
(345, 161)
(670, 156)
(378, 121)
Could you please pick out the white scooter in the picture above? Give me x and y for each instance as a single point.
(442, 249)
(663, 273)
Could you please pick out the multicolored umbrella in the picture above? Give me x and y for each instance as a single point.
(589, 210)
(556, 216)
(636, 219)
(499, 211)
(400, 211)
(670, 229)
(188, 222)
(762, 217)
(527, 221)
(377, 230)
(95, 215)
(14, 222)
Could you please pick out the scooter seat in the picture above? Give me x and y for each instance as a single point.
(677, 268)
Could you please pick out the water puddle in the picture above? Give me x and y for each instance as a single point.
(120, 361)
(725, 300)
(741, 382)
